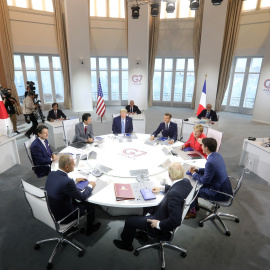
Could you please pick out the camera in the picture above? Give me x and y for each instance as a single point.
(5, 92)
(31, 85)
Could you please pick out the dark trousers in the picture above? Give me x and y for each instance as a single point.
(87, 209)
(34, 121)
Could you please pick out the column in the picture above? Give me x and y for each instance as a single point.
(138, 55)
(213, 25)
(78, 41)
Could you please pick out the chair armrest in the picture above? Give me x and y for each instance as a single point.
(36, 166)
(195, 194)
(230, 177)
(76, 210)
(226, 194)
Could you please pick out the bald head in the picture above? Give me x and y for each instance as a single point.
(131, 103)
(66, 163)
(208, 107)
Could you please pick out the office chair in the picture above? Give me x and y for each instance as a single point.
(166, 240)
(179, 123)
(69, 130)
(215, 214)
(37, 200)
(217, 135)
(27, 145)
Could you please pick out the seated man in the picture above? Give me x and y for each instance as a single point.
(132, 109)
(208, 113)
(84, 130)
(55, 113)
(63, 195)
(41, 151)
(122, 123)
(166, 216)
(213, 177)
(167, 128)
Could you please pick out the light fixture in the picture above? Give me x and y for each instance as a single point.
(216, 2)
(135, 11)
(154, 9)
(194, 4)
(170, 7)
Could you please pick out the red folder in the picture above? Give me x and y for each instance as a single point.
(123, 192)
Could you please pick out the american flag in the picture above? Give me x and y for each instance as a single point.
(101, 108)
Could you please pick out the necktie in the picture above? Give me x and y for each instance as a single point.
(167, 127)
(55, 113)
(47, 147)
(123, 126)
(207, 115)
(131, 110)
(85, 129)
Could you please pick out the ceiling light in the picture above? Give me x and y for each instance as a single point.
(135, 11)
(170, 6)
(216, 2)
(194, 4)
(154, 9)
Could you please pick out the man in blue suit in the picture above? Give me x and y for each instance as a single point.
(41, 152)
(167, 128)
(165, 217)
(122, 123)
(208, 113)
(63, 195)
(213, 177)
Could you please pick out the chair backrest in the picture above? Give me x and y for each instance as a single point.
(69, 129)
(241, 178)
(179, 123)
(27, 145)
(212, 133)
(38, 203)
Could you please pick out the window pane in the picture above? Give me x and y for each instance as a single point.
(180, 64)
(167, 87)
(158, 64)
(122, 8)
(178, 88)
(163, 10)
(56, 62)
(21, 3)
(29, 62)
(92, 7)
(172, 15)
(93, 63)
(240, 65)
(156, 85)
(101, 8)
(168, 64)
(225, 99)
(124, 85)
(19, 85)
(44, 62)
(251, 90)
(9, 2)
(190, 64)
(103, 63)
(236, 89)
(59, 86)
(114, 8)
(49, 5)
(94, 84)
(104, 84)
(32, 76)
(17, 62)
(114, 63)
(37, 4)
(265, 3)
(255, 65)
(46, 86)
(124, 63)
(189, 87)
(249, 4)
(184, 9)
(115, 85)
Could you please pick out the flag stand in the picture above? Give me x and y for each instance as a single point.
(102, 119)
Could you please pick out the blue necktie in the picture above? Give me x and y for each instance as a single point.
(207, 115)
(123, 126)
(47, 147)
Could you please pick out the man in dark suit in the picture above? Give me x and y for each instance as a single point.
(84, 130)
(167, 128)
(41, 152)
(166, 216)
(122, 123)
(63, 195)
(55, 113)
(132, 109)
(208, 113)
(213, 177)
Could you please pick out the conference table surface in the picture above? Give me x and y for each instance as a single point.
(121, 158)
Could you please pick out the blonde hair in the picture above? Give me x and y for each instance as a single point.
(199, 127)
(123, 110)
(176, 171)
(64, 160)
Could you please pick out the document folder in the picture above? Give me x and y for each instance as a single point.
(123, 192)
(148, 194)
(82, 185)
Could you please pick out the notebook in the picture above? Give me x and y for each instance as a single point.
(162, 139)
(188, 149)
(194, 156)
(148, 194)
(82, 185)
(123, 192)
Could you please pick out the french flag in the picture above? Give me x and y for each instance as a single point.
(5, 122)
(202, 105)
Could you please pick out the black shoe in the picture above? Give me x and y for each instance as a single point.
(93, 228)
(16, 131)
(27, 135)
(141, 235)
(122, 245)
(197, 207)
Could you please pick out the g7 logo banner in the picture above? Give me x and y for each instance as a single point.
(137, 79)
(134, 152)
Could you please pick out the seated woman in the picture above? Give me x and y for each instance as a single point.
(195, 139)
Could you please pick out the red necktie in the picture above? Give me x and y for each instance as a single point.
(85, 129)
(55, 113)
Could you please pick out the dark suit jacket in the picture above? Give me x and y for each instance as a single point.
(51, 114)
(214, 176)
(62, 193)
(80, 135)
(172, 132)
(116, 127)
(41, 156)
(135, 109)
(212, 116)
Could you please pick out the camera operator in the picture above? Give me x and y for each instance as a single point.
(28, 110)
(11, 107)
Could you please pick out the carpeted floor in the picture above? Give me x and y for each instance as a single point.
(248, 247)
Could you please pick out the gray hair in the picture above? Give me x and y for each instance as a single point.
(123, 110)
(64, 160)
(176, 171)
